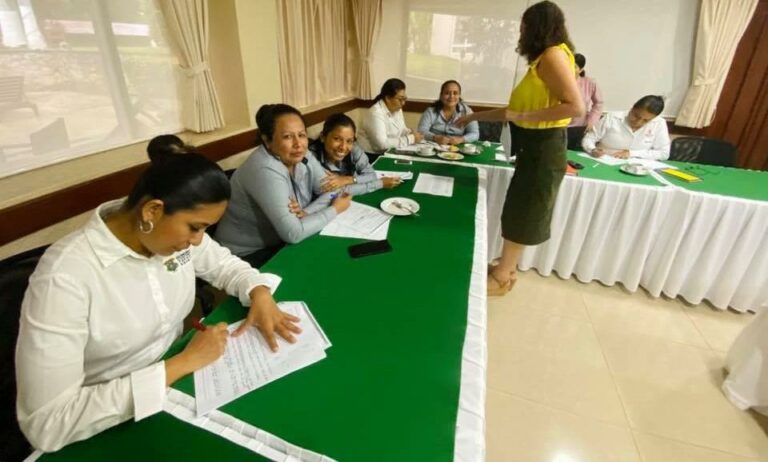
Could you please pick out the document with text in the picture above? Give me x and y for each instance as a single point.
(434, 184)
(359, 221)
(248, 363)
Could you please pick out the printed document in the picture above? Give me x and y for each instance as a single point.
(359, 221)
(248, 363)
(434, 184)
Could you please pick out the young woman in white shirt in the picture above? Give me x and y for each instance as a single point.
(106, 302)
(640, 133)
(384, 126)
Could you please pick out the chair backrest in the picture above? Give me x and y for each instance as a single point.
(703, 151)
(14, 278)
(490, 131)
(12, 89)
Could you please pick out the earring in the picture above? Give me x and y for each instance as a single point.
(146, 231)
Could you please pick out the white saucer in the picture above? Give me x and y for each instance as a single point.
(431, 154)
(450, 156)
(407, 206)
(634, 169)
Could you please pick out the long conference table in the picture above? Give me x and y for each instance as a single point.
(405, 377)
(706, 240)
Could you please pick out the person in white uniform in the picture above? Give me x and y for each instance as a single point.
(384, 125)
(640, 133)
(106, 302)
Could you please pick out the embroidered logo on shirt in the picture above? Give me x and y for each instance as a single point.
(184, 257)
(171, 264)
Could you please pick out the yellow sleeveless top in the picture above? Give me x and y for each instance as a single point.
(531, 94)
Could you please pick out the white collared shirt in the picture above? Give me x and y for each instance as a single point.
(95, 321)
(382, 129)
(613, 133)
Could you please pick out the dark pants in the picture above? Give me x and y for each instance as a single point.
(260, 257)
(575, 134)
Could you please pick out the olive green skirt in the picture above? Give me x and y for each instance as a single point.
(531, 196)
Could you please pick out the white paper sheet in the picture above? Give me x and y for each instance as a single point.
(610, 160)
(434, 184)
(248, 363)
(650, 163)
(402, 175)
(606, 159)
(359, 221)
(501, 157)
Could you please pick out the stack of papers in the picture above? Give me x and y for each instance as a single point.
(359, 221)
(608, 159)
(403, 175)
(434, 184)
(248, 363)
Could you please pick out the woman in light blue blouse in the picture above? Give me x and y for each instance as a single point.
(346, 164)
(436, 122)
(276, 193)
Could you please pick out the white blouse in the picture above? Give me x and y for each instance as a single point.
(382, 129)
(95, 321)
(651, 141)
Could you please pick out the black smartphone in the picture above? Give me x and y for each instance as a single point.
(403, 162)
(369, 248)
(575, 165)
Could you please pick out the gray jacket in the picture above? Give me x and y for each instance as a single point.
(258, 216)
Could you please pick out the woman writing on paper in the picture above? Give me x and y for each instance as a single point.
(593, 103)
(540, 108)
(106, 302)
(384, 124)
(437, 122)
(345, 163)
(639, 133)
(277, 194)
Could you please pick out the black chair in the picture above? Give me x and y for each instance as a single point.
(701, 150)
(14, 278)
(490, 131)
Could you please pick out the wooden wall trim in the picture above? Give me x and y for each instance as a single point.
(36, 214)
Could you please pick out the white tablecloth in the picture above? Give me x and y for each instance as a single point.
(665, 239)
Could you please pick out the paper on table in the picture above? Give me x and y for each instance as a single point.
(606, 159)
(359, 221)
(434, 184)
(403, 175)
(650, 163)
(248, 363)
(501, 157)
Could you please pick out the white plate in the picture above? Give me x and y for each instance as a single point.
(431, 153)
(634, 169)
(408, 206)
(450, 156)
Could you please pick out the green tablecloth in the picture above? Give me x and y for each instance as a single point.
(389, 388)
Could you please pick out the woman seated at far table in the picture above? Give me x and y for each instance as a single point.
(106, 302)
(346, 164)
(639, 133)
(384, 124)
(437, 122)
(277, 195)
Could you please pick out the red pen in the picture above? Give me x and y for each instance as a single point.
(198, 325)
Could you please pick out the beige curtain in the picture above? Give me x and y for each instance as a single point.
(187, 22)
(721, 25)
(313, 50)
(367, 16)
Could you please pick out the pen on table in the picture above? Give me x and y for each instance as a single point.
(198, 325)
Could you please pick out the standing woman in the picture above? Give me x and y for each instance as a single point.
(384, 125)
(345, 163)
(106, 302)
(437, 122)
(593, 103)
(540, 108)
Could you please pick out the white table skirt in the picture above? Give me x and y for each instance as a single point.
(667, 240)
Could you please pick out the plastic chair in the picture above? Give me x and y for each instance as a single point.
(701, 150)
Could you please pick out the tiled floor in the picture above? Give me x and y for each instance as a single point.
(588, 373)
